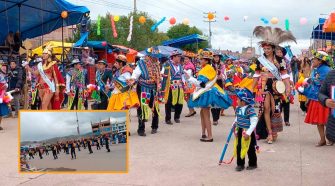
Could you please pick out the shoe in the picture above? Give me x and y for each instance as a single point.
(141, 134)
(177, 120)
(169, 122)
(239, 168)
(153, 131)
(206, 140)
(303, 113)
(287, 124)
(191, 114)
(269, 139)
(251, 167)
(320, 144)
(215, 123)
(204, 136)
(1, 128)
(330, 143)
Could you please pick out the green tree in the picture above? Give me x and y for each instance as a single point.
(182, 30)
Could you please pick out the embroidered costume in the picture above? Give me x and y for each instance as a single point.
(123, 96)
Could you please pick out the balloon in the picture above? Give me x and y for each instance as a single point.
(186, 21)
(303, 20)
(210, 16)
(104, 43)
(245, 18)
(265, 21)
(226, 18)
(274, 20)
(142, 19)
(116, 18)
(98, 26)
(287, 25)
(64, 14)
(172, 20)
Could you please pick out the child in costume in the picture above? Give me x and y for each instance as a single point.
(245, 123)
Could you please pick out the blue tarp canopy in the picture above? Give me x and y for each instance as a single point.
(98, 45)
(165, 50)
(318, 34)
(36, 17)
(194, 38)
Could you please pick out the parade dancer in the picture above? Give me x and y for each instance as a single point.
(148, 76)
(4, 110)
(73, 150)
(50, 82)
(89, 146)
(219, 67)
(98, 144)
(76, 81)
(317, 114)
(123, 96)
(78, 145)
(107, 143)
(189, 88)
(245, 124)
(54, 152)
(208, 94)
(273, 82)
(39, 152)
(103, 79)
(173, 81)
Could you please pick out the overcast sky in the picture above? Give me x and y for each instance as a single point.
(233, 34)
(37, 126)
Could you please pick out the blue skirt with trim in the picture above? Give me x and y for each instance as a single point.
(212, 98)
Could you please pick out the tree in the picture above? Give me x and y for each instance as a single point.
(182, 30)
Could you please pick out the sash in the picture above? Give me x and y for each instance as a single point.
(270, 66)
(200, 91)
(51, 84)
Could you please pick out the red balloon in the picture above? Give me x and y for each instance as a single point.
(172, 20)
(226, 18)
(104, 43)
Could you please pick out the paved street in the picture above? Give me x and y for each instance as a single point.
(175, 156)
(100, 160)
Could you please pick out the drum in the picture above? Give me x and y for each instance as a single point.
(278, 87)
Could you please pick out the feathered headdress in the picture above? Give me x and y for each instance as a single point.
(273, 36)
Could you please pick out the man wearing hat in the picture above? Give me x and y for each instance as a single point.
(76, 81)
(245, 123)
(123, 96)
(103, 78)
(15, 82)
(173, 81)
(147, 75)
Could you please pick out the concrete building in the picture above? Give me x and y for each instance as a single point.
(108, 126)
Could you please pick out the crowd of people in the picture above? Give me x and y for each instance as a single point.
(207, 80)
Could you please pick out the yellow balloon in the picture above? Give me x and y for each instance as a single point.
(64, 14)
(274, 20)
(116, 18)
(186, 21)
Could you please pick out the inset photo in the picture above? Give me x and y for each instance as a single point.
(73, 141)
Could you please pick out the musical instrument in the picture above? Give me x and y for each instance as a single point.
(278, 87)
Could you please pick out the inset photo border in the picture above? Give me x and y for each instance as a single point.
(73, 141)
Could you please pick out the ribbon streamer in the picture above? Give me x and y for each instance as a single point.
(153, 28)
(98, 25)
(130, 29)
(113, 26)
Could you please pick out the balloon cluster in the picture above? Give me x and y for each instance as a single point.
(301, 84)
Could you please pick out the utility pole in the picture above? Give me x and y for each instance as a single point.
(209, 26)
(135, 8)
(77, 124)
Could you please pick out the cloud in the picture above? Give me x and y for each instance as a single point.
(43, 125)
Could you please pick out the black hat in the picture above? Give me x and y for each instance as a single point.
(102, 61)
